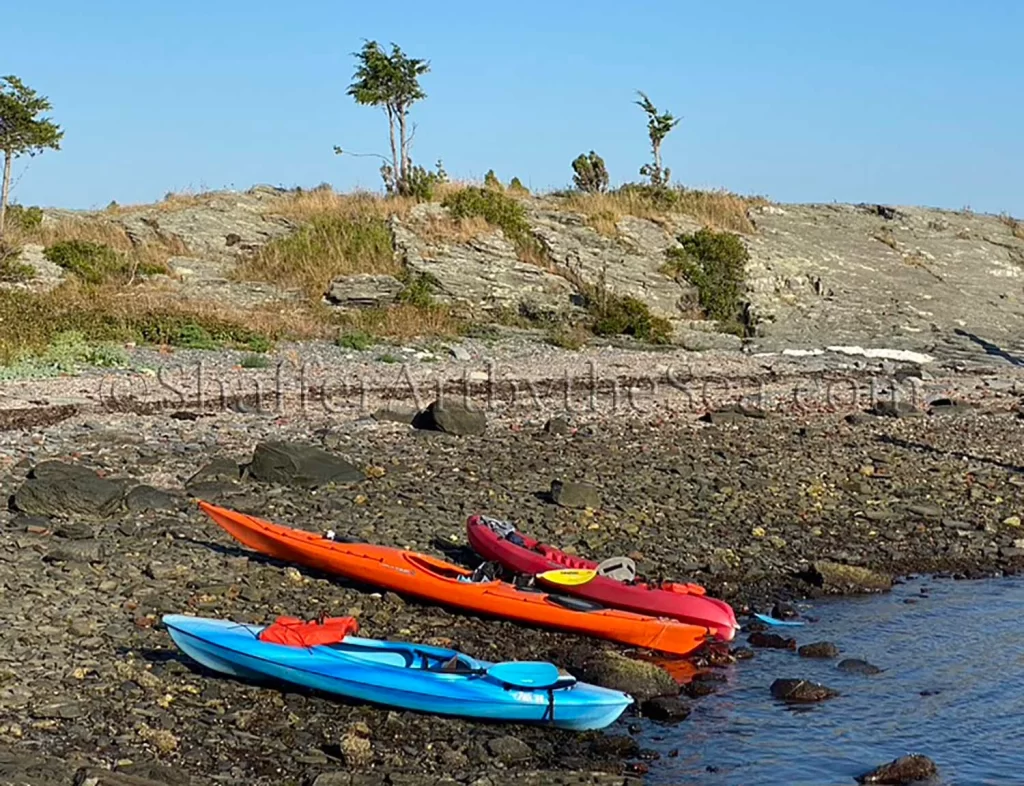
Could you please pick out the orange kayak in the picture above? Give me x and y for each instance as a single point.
(432, 579)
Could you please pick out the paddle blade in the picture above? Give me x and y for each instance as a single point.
(778, 623)
(525, 673)
(568, 577)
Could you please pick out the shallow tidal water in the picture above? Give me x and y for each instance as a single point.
(952, 689)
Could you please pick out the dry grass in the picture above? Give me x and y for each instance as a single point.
(403, 321)
(720, 210)
(142, 313)
(304, 206)
(171, 202)
(328, 246)
(444, 229)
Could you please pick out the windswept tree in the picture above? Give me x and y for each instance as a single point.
(391, 81)
(658, 126)
(23, 130)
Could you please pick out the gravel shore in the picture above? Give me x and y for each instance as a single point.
(774, 501)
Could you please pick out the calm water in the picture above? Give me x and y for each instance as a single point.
(961, 644)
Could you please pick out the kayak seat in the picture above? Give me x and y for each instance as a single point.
(563, 559)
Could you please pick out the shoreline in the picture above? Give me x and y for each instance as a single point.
(745, 503)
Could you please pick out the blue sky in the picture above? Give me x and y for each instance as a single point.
(907, 102)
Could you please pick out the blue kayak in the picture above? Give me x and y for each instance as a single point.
(399, 674)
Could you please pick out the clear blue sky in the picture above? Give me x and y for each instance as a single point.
(909, 102)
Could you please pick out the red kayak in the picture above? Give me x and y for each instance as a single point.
(498, 541)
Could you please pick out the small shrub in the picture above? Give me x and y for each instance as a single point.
(714, 262)
(422, 185)
(92, 262)
(254, 361)
(495, 207)
(387, 357)
(516, 186)
(419, 292)
(630, 317)
(190, 332)
(357, 340)
(589, 173)
(565, 337)
(24, 218)
(66, 352)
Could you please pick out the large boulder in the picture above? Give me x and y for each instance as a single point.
(575, 494)
(452, 418)
(801, 691)
(901, 771)
(837, 578)
(304, 466)
(57, 489)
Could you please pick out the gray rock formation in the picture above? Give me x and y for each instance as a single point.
(846, 274)
(483, 274)
(628, 266)
(47, 274)
(222, 226)
(57, 489)
(363, 291)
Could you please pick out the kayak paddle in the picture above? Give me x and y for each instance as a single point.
(772, 621)
(568, 577)
(525, 673)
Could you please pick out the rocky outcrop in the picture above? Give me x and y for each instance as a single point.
(852, 274)
(820, 276)
(46, 276)
(218, 226)
(481, 274)
(363, 291)
(627, 265)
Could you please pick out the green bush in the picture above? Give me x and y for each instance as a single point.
(589, 173)
(24, 218)
(714, 262)
(496, 208)
(91, 262)
(254, 360)
(421, 184)
(418, 292)
(516, 187)
(358, 340)
(660, 197)
(630, 317)
(191, 333)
